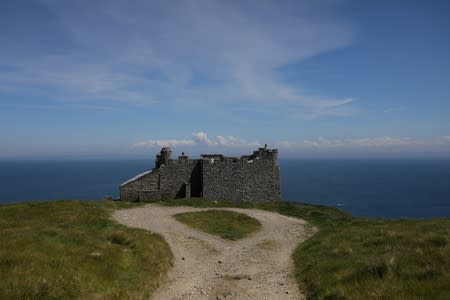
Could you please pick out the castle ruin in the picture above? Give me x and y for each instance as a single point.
(250, 178)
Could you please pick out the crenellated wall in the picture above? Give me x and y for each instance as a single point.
(253, 178)
(249, 179)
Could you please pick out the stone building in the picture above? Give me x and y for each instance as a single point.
(253, 178)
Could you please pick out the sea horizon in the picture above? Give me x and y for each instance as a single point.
(365, 187)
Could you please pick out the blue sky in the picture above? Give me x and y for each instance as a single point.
(120, 79)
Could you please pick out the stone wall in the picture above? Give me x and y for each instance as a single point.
(249, 179)
(143, 188)
(175, 175)
(254, 178)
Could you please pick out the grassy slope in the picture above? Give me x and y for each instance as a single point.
(351, 258)
(374, 259)
(226, 224)
(70, 249)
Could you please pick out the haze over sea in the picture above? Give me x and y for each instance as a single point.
(389, 188)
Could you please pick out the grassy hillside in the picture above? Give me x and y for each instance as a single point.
(377, 259)
(71, 249)
(352, 258)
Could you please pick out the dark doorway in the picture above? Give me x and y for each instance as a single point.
(196, 181)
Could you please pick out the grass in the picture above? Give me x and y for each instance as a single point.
(318, 215)
(353, 258)
(377, 259)
(71, 249)
(226, 224)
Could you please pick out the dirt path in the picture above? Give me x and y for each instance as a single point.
(208, 267)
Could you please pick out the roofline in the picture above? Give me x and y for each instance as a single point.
(136, 177)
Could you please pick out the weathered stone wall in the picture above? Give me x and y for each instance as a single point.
(175, 174)
(242, 180)
(144, 188)
(254, 178)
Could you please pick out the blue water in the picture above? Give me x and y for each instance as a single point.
(376, 188)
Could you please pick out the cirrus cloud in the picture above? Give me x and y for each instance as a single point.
(208, 52)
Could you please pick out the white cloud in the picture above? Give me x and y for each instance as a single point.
(155, 51)
(234, 141)
(199, 139)
(202, 138)
(164, 143)
(362, 142)
(374, 142)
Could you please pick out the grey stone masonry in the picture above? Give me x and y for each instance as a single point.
(250, 178)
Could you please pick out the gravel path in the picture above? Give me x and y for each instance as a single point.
(208, 267)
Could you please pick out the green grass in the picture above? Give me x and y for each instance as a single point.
(317, 215)
(377, 259)
(352, 258)
(71, 249)
(226, 224)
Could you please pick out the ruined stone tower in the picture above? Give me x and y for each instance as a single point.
(163, 157)
(250, 178)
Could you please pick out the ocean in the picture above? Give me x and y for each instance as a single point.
(387, 188)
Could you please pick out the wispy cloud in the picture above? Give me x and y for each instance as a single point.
(362, 142)
(212, 52)
(200, 142)
(199, 139)
(61, 106)
(373, 143)
(164, 143)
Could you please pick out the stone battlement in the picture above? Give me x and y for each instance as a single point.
(254, 177)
